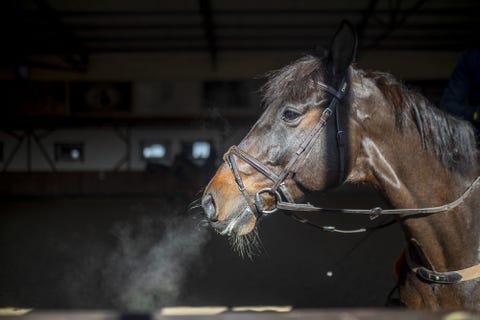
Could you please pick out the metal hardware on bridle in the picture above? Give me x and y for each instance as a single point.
(259, 201)
(284, 201)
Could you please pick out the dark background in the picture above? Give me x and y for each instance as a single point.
(107, 77)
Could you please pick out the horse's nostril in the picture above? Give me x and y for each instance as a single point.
(209, 206)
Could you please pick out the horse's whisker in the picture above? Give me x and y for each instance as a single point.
(195, 204)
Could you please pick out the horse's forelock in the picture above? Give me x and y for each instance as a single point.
(294, 82)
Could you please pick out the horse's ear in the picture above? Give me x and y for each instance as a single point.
(343, 48)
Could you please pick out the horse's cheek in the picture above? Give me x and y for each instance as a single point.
(312, 173)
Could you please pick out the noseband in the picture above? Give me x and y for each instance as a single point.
(279, 188)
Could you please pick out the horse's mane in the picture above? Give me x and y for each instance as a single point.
(450, 139)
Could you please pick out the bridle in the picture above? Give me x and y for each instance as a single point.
(285, 202)
(279, 188)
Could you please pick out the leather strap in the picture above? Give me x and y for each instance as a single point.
(341, 140)
(376, 212)
(290, 168)
(448, 277)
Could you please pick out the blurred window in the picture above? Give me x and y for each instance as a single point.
(155, 151)
(69, 152)
(201, 150)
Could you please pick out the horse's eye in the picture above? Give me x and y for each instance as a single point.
(290, 115)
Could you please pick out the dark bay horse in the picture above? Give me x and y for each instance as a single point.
(327, 122)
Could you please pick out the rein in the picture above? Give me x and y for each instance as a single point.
(284, 201)
(377, 211)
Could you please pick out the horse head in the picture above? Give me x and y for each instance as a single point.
(295, 100)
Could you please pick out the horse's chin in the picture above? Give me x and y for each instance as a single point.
(241, 231)
(239, 225)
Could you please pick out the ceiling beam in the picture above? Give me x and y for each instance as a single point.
(398, 17)
(362, 24)
(74, 52)
(208, 27)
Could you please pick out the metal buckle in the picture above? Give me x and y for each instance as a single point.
(375, 213)
(327, 112)
(259, 201)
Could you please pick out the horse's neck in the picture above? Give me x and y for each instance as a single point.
(445, 241)
(396, 162)
(442, 241)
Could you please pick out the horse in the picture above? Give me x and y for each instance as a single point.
(327, 122)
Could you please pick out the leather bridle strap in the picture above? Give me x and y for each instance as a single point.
(304, 147)
(238, 179)
(341, 140)
(375, 212)
(292, 166)
(234, 150)
(309, 141)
